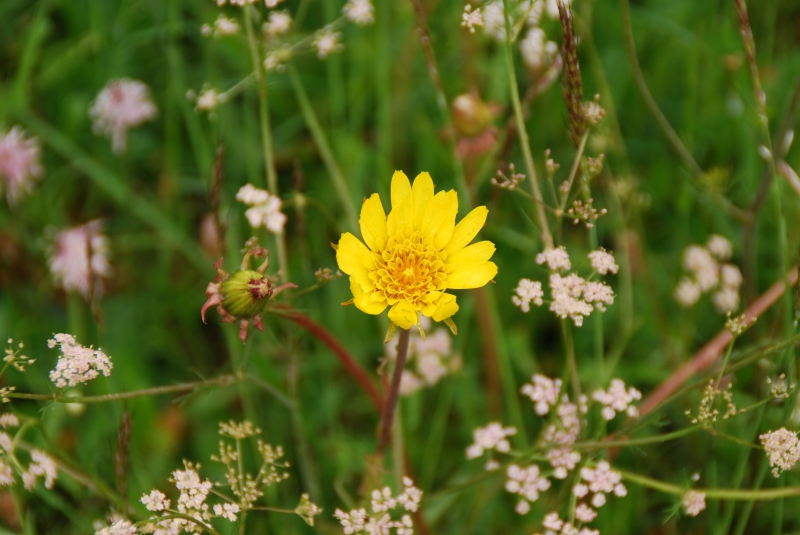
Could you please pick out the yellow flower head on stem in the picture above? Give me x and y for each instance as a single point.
(415, 254)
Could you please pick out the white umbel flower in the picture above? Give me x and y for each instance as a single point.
(77, 364)
(265, 208)
(360, 12)
(694, 502)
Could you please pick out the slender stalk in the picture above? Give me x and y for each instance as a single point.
(321, 140)
(266, 133)
(222, 380)
(713, 494)
(576, 163)
(657, 439)
(524, 141)
(277, 394)
(394, 392)
(441, 100)
(207, 527)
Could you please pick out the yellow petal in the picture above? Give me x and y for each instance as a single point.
(400, 217)
(401, 188)
(373, 223)
(445, 307)
(364, 301)
(443, 235)
(477, 252)
(421, 195)
(435, 213)
(467, 229)
(353, 256)
(473, 275)
(403, 314)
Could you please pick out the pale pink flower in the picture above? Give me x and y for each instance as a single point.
(726, 300)
(555, 258)
(279, 23)
(603, 262)
(688, 292)
(527, 291)
(80, 258)
(782, 448)
(77, 364)
(121, 105)
(526, 482)
(120, 527)
(227, 511)
(719, 247)
(617, 399)
(537, 52)
(42, 465)
(543, 391)
(155, 501)
(491, 437)
(265, 208)
(19, 163)
(584, 513)
(327, 42)
(471, 19)
(694, 502)
(698, 261)
(360, 12)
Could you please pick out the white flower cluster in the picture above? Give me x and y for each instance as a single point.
(537, 52)
(491, 437)
(527, 291)
(222, 27)
(428, 361)
(279, 23)
(598, 482)
(77, 364)
(358, 521)
(155, 501)
(471, 19)
(19, 163)
(327, 42)
(694, 502)
(360, 12)
(543, 391)
(603, 262)
(121, 105)
(79, 259)
(572, 296)
(561, 436)
(617, 399)
(707, 273)
(554, 525)
(265, 208)
(527, 483)
(782, 448)
(41, 466)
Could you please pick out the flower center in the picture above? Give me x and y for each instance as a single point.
(409, 269)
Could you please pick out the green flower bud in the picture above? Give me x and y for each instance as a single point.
(245, 293)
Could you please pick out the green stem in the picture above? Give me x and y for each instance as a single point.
(266, 134)
(657, 439)
(277, 394)
(208, 527)
(321, 140)
(441, 101)
(576, 163)
(524, 142)
(222, 380)
(713, 494)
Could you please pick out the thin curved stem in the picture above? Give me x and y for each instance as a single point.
(222, 380)
(524, 141)
(714, 494)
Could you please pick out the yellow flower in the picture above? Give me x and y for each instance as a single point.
(414, 255)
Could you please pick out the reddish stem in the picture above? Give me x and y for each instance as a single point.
(708, 353)
(348, 361)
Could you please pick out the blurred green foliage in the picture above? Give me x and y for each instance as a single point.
(378, 107)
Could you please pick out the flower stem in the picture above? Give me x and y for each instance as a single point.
(656, 439)
(324, 147)
(394, 391)
(576, 163)
(718, 494)
(266, 134)
(222, 380)
(524, 142)
(190, 518)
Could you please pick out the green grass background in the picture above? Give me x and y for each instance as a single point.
(378, 108)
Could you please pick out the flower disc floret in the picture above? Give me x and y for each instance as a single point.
(415, 254)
